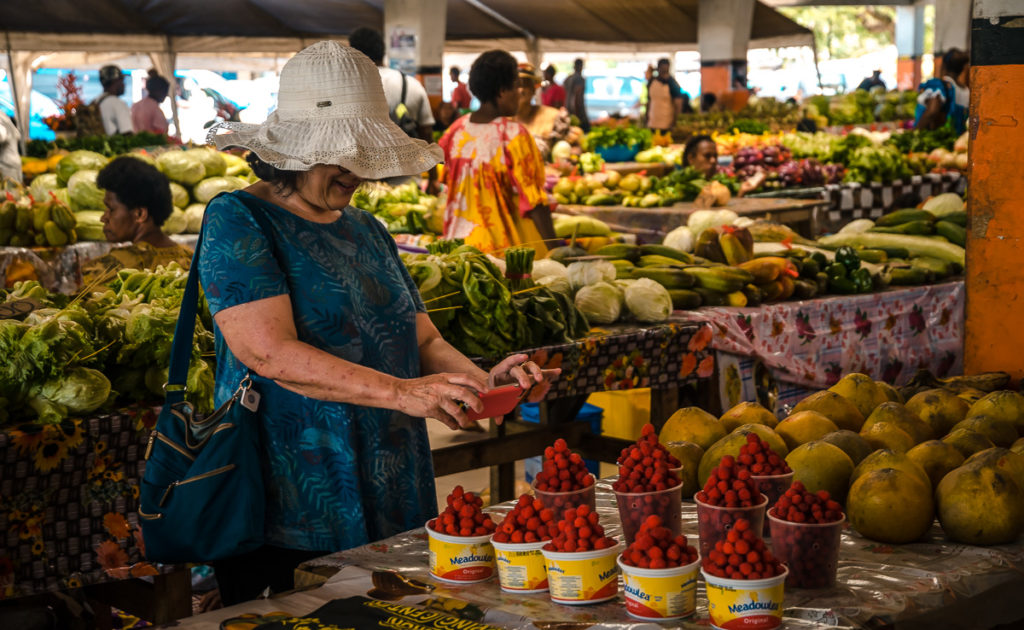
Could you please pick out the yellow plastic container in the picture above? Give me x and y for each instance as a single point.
(582, 577)
(460, 559)
(660, 593)
(625, 411)
(521, 567)
(747, 604)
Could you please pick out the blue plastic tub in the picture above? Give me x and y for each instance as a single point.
(617, 153)
(530, 412)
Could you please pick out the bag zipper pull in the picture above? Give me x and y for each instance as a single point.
(167, 494)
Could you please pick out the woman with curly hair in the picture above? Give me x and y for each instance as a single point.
(493, 170)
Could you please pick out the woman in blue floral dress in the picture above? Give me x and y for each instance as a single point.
(310, 296)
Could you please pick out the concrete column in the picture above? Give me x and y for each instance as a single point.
(414, 35)
(993, 336)
(909, 46)
(952, 28)
(723, 33)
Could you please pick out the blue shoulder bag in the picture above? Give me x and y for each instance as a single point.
(202, 495)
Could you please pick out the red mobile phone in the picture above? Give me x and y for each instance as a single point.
(497, 402)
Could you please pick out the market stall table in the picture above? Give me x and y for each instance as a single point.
(655, 223)
(931, 584)
(59, 268)
(651, 168)
(779, 353)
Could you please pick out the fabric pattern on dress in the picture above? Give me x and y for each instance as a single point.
(338, 475)
(494, 175)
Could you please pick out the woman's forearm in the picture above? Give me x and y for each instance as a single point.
(438, 356)
(301, 368)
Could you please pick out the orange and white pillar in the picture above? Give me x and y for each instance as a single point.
(414, 35)
(909, 46)
(993, 335)
(952, 29)
(723, 33)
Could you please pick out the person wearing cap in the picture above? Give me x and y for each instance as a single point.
(146, 114)
(494, 172)
(115, 113)
(546, 124)
(309, 297)
(875, 80)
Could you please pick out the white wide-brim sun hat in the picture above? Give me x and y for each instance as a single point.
(331, 109)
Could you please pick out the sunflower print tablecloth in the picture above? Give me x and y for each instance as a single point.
(68, 500)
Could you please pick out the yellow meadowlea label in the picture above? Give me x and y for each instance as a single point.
(461, 562)
(757, 607)
(669, 597)
(586, 580)
(521, 570)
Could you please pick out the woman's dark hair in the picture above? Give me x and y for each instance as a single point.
(284, 182)
(492, 72)
(369, 42)
(138, 185)
(690, 148)
(953, 62)
(707, 101)
(156, 84)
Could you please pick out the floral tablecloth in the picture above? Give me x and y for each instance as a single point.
(68, 500)
(810, 344)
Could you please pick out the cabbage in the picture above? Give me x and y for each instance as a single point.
(84, 193)
(556, 283)
(561, 151)
(179, 196)
(680, 238)
(214, 164)
(213, 186)
(944, 205)
(77, 161)
(648, 301)
(706, 219)
(182, 167)
(194, 217)
(42, 185)
(236, 165)
(80, 389)
(176, 223)
(546, 267)
(582, 274)
(857, 226)
(601, 303)
(140, 156)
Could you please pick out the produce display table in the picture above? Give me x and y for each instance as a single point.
(850, 201)
(670, 359)
(652, 168)
(932, 584)
(789, 349)
(58, 268)
(801, 214)
(68, 500)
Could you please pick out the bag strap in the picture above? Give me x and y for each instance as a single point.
(184, 331)
(404, 86)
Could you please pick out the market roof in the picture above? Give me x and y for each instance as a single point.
(288, 25)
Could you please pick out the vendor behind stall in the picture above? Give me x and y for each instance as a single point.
(138, 201)
(701, 154)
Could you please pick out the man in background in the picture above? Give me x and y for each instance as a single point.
(460, 93)
(416, 105)
(115, 114)
(552, 94)
(664, 99)
(575, 102)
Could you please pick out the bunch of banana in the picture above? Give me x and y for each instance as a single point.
(24, 224)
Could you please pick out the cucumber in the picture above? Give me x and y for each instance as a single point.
(959, 218)
(914, 245)
(900, 217)
(919, 228)
(684, 299)
(954, 233)
(876, 256)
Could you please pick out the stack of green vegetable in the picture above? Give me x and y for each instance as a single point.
(104, 145)
(197, 176)
(471, 303)
(404, 209)
(73, 356)
(604, 137)
(47, 222)
(635, 190)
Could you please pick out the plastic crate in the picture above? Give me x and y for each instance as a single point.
(617, 153)
(530, 412)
